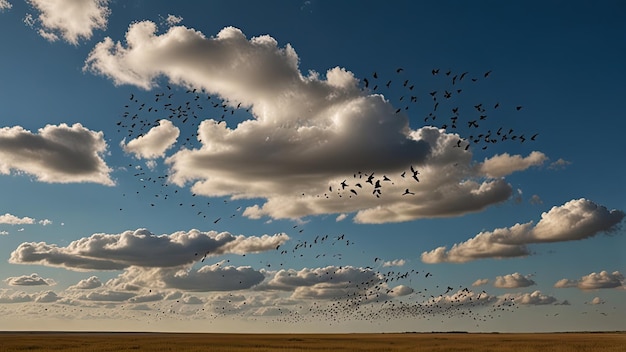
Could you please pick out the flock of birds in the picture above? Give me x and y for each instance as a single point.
(373, 299)
(444, 111)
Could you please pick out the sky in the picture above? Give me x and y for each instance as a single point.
(312, 166)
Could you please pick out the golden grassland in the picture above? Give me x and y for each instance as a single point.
(191, 342)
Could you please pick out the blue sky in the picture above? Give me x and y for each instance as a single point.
(223, 209)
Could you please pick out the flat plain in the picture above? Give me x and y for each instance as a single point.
(183, 342)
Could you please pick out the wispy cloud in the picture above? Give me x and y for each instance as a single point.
(72, 20)
(575, 220)
(56, 154)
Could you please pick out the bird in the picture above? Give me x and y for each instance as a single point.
(406, 191)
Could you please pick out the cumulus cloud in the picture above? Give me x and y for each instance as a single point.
(307, 132)
(597, 300)
(46, 297)
(332, 282)
(56, 154)
(213, 278)
(72, 20)
(173, 20)
(5, 5)
(594, 281)
(207, 278)
(505, 164)
(480, 282)
(514, 280)
(15, 220)
(341, 217)
(401, 290)
(155, 142)
(107, 296)
(140, 248)
(575, 220)
(533, 298)
(87, 284)
(9, 296)
(395, 262)
(29, 280)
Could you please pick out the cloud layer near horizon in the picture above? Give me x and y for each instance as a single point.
(575, 220)
(140, 248)
(308, 132)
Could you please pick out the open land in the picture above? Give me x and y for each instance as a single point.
(184, 342)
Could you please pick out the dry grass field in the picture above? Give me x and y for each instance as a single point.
(91, 342)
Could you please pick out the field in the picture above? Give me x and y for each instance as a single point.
(87, 342)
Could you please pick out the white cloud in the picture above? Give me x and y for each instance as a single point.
(107, 296)
(29, 20)
(140, 248)
(594, 281)
(214, 278)
(559, 164)
(155, 142)
(597, 300)
(535, 199)
(5, 5)
(341, 217)
(480, 282)
(29, 280)
(307, 132)
(71, 19)
(395, 262)
(45, 222)
(356, 285)
(401, 290)
(56, 154)
(173, 20)
(14, 220)
(505, 164)
(87, 284)
(46, 297)
(208, 278)
(533, 298)
(515, 280)
(575, 220)
(9, 296)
